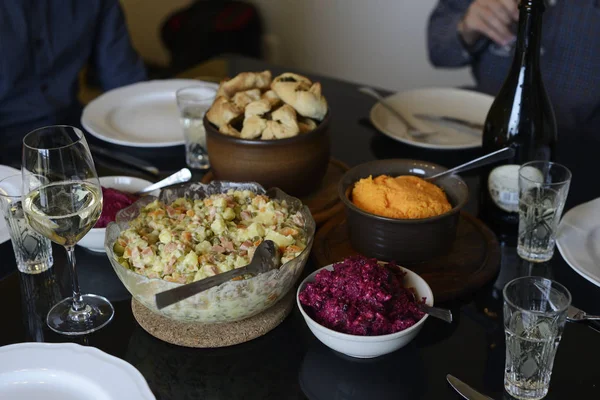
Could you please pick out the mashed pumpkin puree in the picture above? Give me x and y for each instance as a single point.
(403, 197)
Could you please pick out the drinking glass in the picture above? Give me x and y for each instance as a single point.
(535, 311)
(193, 102)
(33, 252)
(543, 190)
(62, 200)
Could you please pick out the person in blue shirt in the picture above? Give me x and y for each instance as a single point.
(481, 34)
(44, 44)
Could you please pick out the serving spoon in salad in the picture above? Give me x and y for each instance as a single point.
(266, 257)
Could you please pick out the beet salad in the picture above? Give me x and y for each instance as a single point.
(361, 297)
(113, 201)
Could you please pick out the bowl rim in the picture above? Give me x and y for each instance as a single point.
(358, 338)
(343, 194)
(319, 130)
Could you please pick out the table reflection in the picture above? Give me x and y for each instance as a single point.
(264, 368)
(328, 375)
(39, 293)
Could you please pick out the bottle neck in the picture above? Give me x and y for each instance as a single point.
(527, 52)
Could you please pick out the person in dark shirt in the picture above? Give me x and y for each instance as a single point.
(481, 33)
(44, 44)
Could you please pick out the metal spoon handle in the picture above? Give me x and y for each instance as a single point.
(441, 313)
(498, 155)
(171, 296)
(183, 175)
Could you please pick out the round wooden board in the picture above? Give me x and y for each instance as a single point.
(473, 261)
(192, 334)
(325, 202)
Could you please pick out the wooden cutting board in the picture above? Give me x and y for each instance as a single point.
(473, 261)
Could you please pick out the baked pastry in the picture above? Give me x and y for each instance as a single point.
(302, 94)
(272, 97)
(222, 112)
(229, 130)
(291, 77)
(258, 107)
(242, 99)
(306, 124)
(253, 105)
(245, 81)
(284, 124)
(253, 127)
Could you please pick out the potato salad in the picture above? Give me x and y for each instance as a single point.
(190, 240)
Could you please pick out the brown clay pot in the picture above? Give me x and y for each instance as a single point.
(296, 165)
(402, 240)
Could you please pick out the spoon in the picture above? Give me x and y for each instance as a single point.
(574, 314)
(266, 257)
(411, 128)
(183, 175)
(498, 155)
(437, 312)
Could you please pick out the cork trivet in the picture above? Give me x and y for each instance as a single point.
(190, 334)
(324, 203)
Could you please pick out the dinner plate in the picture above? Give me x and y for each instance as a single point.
(449, 102)
(5, 172)
(67, 371)
(144, 114)
(578, 240)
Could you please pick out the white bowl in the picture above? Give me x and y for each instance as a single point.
(368, 346)
(94, 239)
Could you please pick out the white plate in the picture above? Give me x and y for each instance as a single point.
(5, 172)
(67, 371)
(144, 114)
(578, 240)
(465, 104)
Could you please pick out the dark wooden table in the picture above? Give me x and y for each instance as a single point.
(289, 362)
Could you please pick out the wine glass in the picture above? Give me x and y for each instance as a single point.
(62, 200)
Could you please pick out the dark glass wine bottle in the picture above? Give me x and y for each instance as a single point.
(521, 116)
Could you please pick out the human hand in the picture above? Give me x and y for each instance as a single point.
(491, 18)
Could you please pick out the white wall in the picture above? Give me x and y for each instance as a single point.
(378, 42)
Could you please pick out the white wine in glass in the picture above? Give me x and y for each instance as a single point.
(62, 201)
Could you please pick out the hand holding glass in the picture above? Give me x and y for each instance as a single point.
(535, 311)
(62, 201)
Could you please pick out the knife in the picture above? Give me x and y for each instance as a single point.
(455, 120)
(125, 159)
(465, 390)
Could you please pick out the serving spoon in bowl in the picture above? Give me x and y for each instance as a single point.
(266, 257)
(181, 176)
(498, 155)
(440, 313)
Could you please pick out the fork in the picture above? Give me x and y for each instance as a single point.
(410, 128)
(574, 314)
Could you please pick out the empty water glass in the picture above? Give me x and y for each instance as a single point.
(535, 311)
(193, 102)
(543, 189)
(33, 252)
